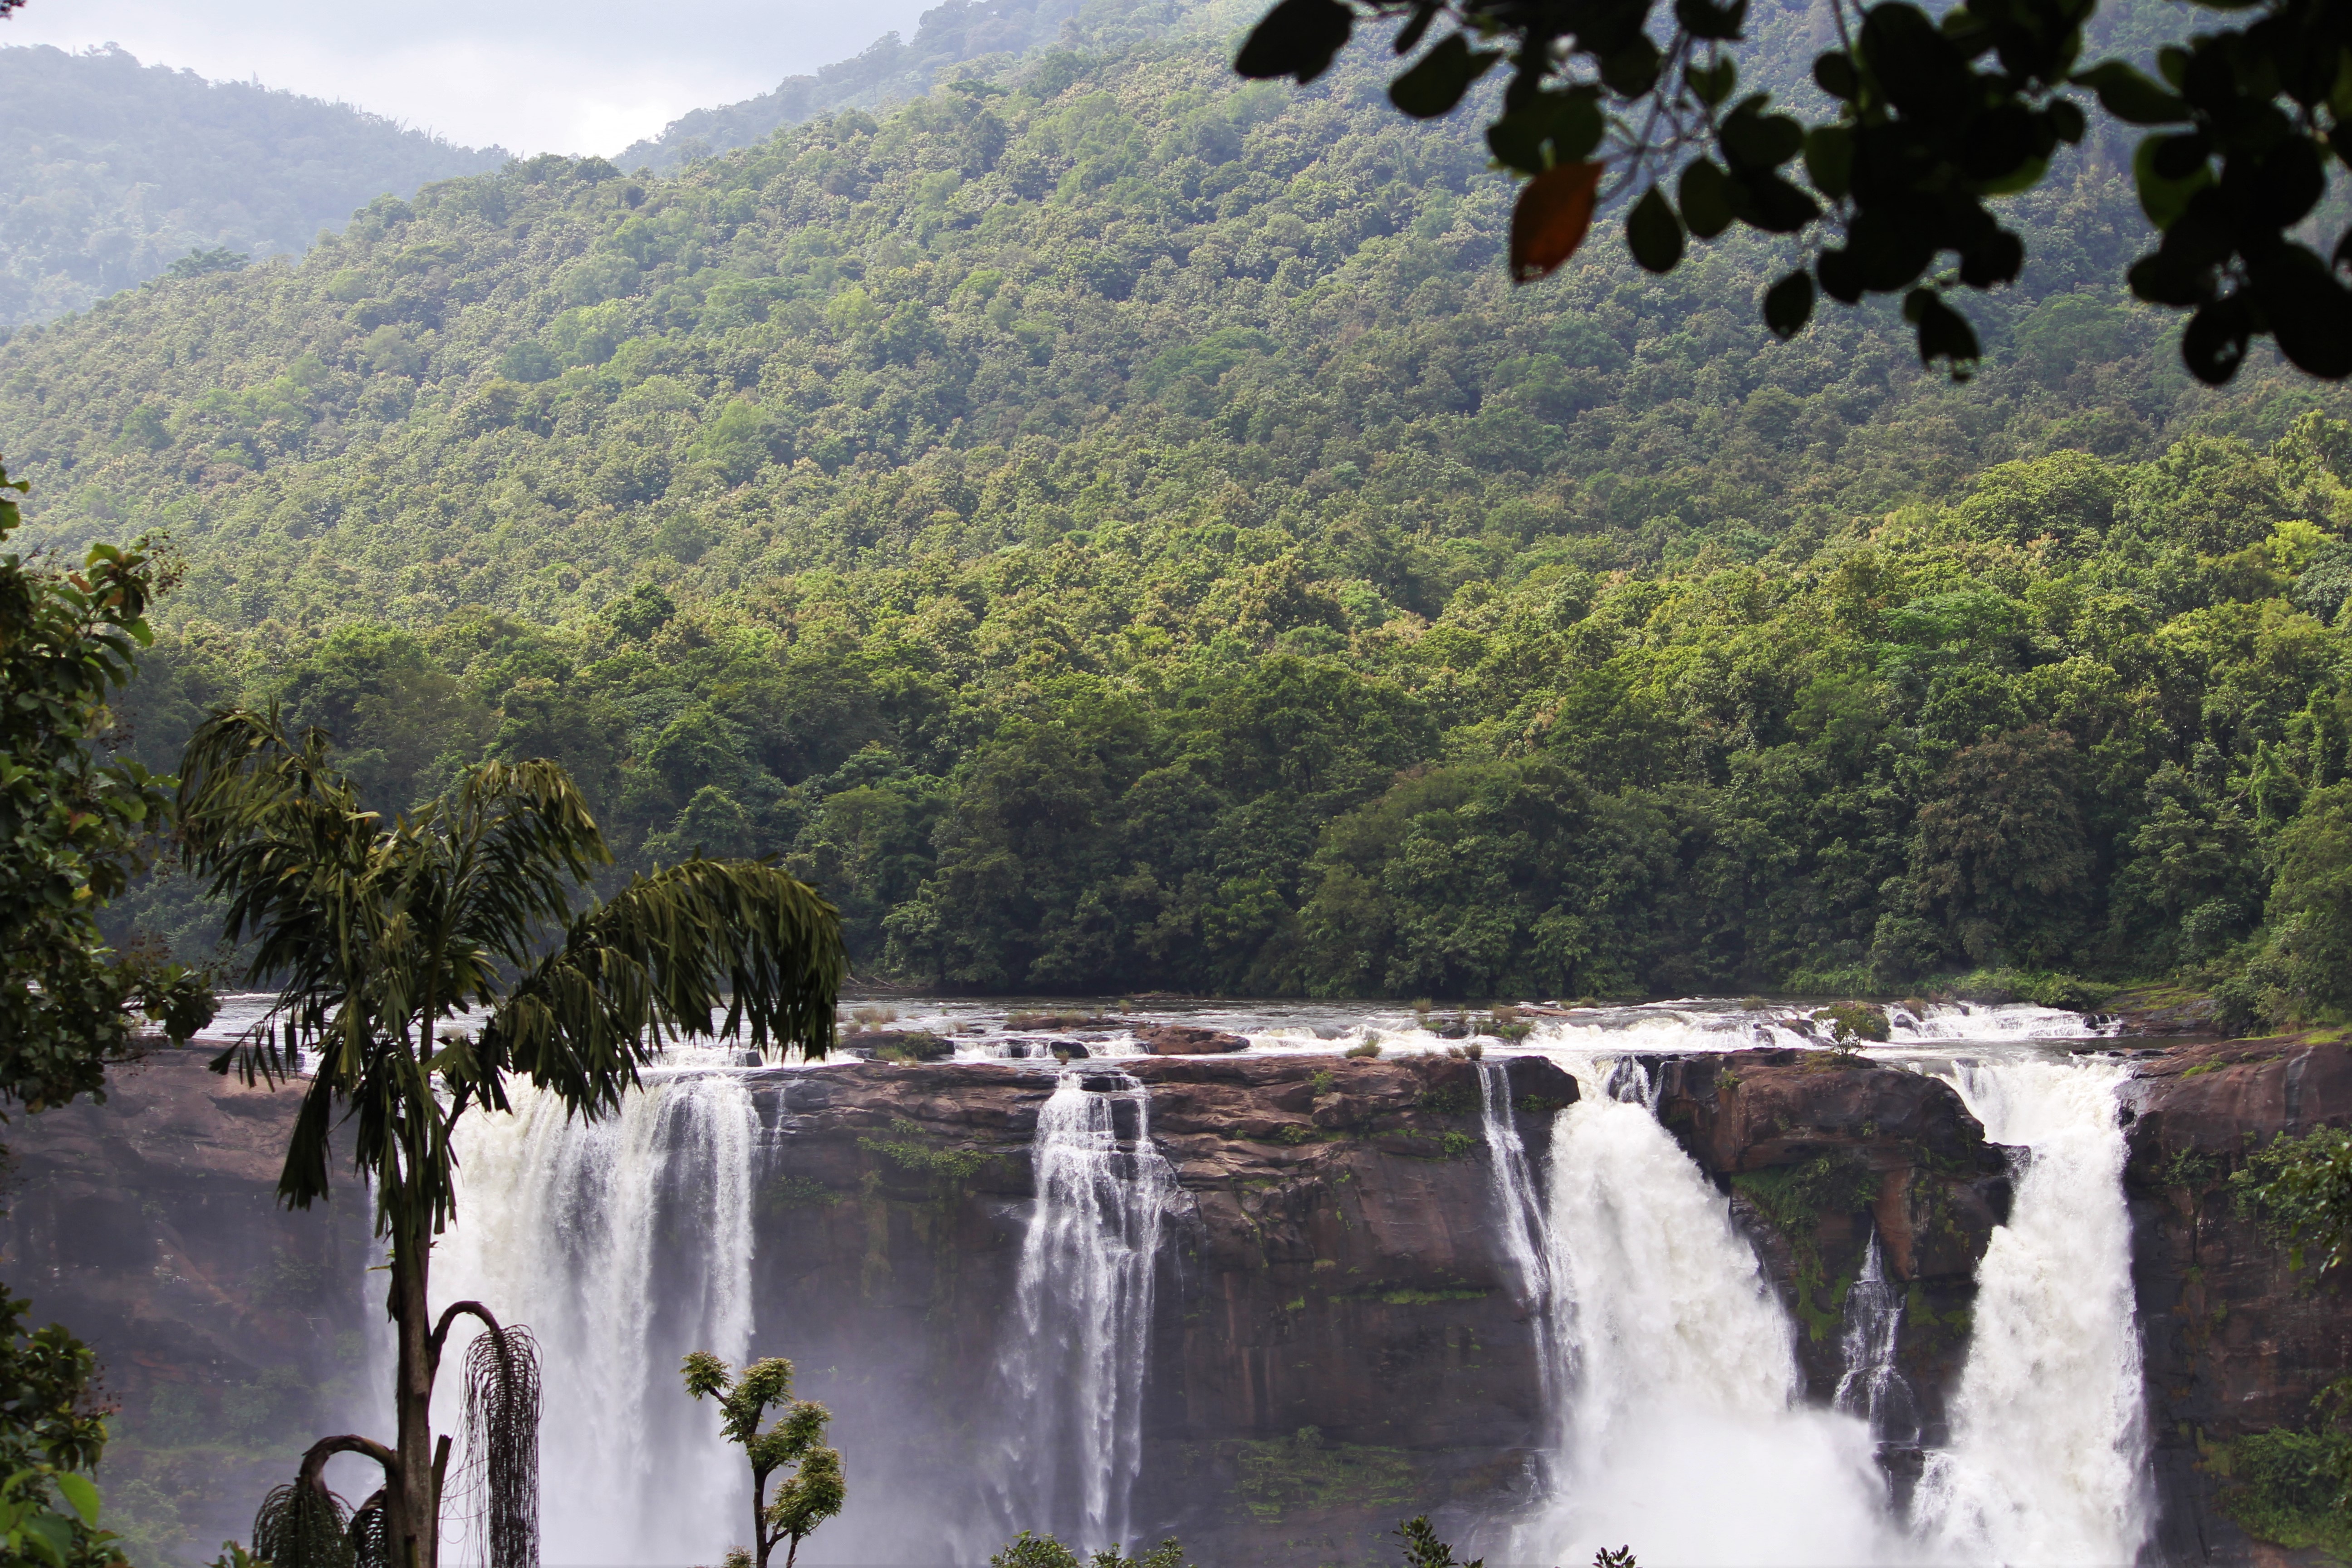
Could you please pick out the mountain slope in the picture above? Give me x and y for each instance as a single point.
(980, 35)
(1116, 527)
(116, 170)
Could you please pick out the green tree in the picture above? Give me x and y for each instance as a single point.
(1999, 858)
(51, 1430)
(2311, 900)
(1934, 120)
(74, 824)
(1029, 1551)
(73, 828)
(1424, 1549)
(377, 936)
(816, 1489)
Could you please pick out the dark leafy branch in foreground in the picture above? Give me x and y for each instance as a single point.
(1935, 122)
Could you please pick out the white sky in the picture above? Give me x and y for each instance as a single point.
(534, 76)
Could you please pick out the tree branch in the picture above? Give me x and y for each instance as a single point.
(314, 1459)
(450, 1315)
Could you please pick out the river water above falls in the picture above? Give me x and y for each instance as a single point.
(1673, 1415)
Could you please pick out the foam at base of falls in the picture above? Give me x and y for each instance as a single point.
(2048, 1462)
(1679, 1372)
(622, 1244)
(1079, 1347)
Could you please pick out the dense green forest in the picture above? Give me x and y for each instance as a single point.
(117, 170)
(1116, 527)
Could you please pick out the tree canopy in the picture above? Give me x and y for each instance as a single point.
(1930, 122)
(74, 824)
(1123, 530)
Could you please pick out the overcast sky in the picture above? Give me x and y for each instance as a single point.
(534, 76)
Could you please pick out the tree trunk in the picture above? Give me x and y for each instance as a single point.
(413, 1509)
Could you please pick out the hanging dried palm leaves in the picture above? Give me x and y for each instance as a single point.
(370, 1535)
(301, 1525)
(502, 1445)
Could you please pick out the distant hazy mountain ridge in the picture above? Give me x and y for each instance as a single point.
(982, 34)
(115, 170)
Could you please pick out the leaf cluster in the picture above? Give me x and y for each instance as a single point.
(1935, 119)
(74, 823)
(376, 935)
(816, 1489)
(51, 1432)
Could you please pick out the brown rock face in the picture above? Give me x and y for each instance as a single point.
(1186, 1040)
(1330, 1267)
(2235, 1342)
(150, 1226)
(1818, 1150)
(1335, 1270)
(1338, 1340)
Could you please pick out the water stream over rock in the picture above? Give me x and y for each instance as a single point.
(1078, 1349)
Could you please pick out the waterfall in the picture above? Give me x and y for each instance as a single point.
(622, 1244)
(2049, 1450)
(1871, 1386)
(1679, 1430)
(1525, 1241)
(1078, 1345)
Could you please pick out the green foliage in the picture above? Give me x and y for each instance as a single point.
(74, 824)
(1119, 533)
(1932, 119)
(374, 935)
(2288, 1486)
(1853, 1021)
(1028, 1551)
(52, 1432)
(816, 1489)
(1281, 1475)
(2301, 1188)
(119, 169)
(909, 1147)
(1423, 1549)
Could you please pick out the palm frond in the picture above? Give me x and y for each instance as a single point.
(503, 1444)
(660, 959)
(302, 1525)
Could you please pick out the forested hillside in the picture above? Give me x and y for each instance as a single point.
(116, 170)
(1116, 527)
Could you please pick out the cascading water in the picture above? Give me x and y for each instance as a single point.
(624, 1244)
(2048, 1462)
(1680, 1377)
(1525, 1241)
(1078, 1346)
(1872, 1386)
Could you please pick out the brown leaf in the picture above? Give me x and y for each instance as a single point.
(1554, 212)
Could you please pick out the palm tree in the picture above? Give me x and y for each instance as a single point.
(374, 935)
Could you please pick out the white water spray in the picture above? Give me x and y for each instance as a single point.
(622, 1244)
(1525, 1239)
(1872, 1386)
(1681, 1431)
(2048, 1462)
(1079, 1343)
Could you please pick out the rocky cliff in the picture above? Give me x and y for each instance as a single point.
(2236, 1342)
(1340, 1339)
